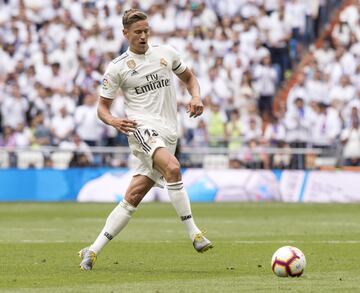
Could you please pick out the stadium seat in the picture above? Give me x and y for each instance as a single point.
(26, 159)
(325, 162)
(4, 159)
(61, 159)
(215, 162)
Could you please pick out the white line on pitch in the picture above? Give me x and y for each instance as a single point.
(170, 241)
(296, 241)
(42, 241)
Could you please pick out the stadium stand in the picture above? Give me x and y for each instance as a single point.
(61, 159)
(27, 159)
(54, 52)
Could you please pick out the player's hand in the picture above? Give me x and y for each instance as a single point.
(195, 107)
(125, 126)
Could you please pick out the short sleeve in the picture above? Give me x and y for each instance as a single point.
(178, 65)
(110, 82)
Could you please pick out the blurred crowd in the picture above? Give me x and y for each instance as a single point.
(323, 108)
(53, 54)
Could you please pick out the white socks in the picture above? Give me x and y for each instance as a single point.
(122, 213)
(115, 222)
(181, 203)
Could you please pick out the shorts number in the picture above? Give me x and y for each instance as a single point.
(151, 132)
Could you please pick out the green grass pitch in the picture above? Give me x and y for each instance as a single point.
(39, 244)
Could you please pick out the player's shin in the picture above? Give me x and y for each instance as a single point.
(180, 200)
(115, 222)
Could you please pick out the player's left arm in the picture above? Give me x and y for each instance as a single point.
(195, 107)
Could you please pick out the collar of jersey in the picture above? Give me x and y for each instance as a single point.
(148, 51)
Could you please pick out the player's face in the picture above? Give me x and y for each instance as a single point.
(137, 35)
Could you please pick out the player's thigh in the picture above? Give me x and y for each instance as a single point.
(138, 188)
(166, 163)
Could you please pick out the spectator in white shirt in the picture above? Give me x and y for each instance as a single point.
(271, 5)
(251, 113)
(27, 80)
(278, 36)
(326, 127)
(109, 43)
(250, 9)
(220, 87)
(61, 99)
(335, 69)
(88, 126)
(342, 94)
(299, 90)
(22, 135)
(234, 57)
(57, 79)
(41, 102)
(14, 108)
(317, 88)
(258, 53)
(355, 79)
(275, 136)
(341, 33)
(87, 78)
(62, 125)
(244, 93)
(82, 153)
(201, 136)
(163, 21)
(350, 138)
(298, 121)
(206, 16)
(348, 62)
(263, 23)
(248, 37)
(266, 78)
(252, 131)
(66, 57)
(275, 132)
(324, 55)
(295, 15)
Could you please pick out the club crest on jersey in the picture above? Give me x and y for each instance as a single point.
(131, 64)
(163, 62)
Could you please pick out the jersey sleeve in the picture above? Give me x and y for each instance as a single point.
(178, 65)
(110, 82)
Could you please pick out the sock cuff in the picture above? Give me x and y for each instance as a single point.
(127, 206)
(175, 185)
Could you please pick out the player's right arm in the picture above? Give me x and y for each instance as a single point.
(123, 125)
(108, 91)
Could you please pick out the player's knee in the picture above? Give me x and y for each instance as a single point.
(173, 172)
(133, 198)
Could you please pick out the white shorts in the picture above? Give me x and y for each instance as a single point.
(143, 143)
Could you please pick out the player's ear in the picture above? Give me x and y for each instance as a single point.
(125, 32)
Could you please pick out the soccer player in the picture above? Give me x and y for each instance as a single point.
(144, 74)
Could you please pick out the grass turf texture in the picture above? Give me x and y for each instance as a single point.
(39, 244)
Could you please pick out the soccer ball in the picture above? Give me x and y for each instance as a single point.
(288, 261)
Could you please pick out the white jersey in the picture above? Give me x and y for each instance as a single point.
(148, 87)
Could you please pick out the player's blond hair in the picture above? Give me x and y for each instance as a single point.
(131, 16)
